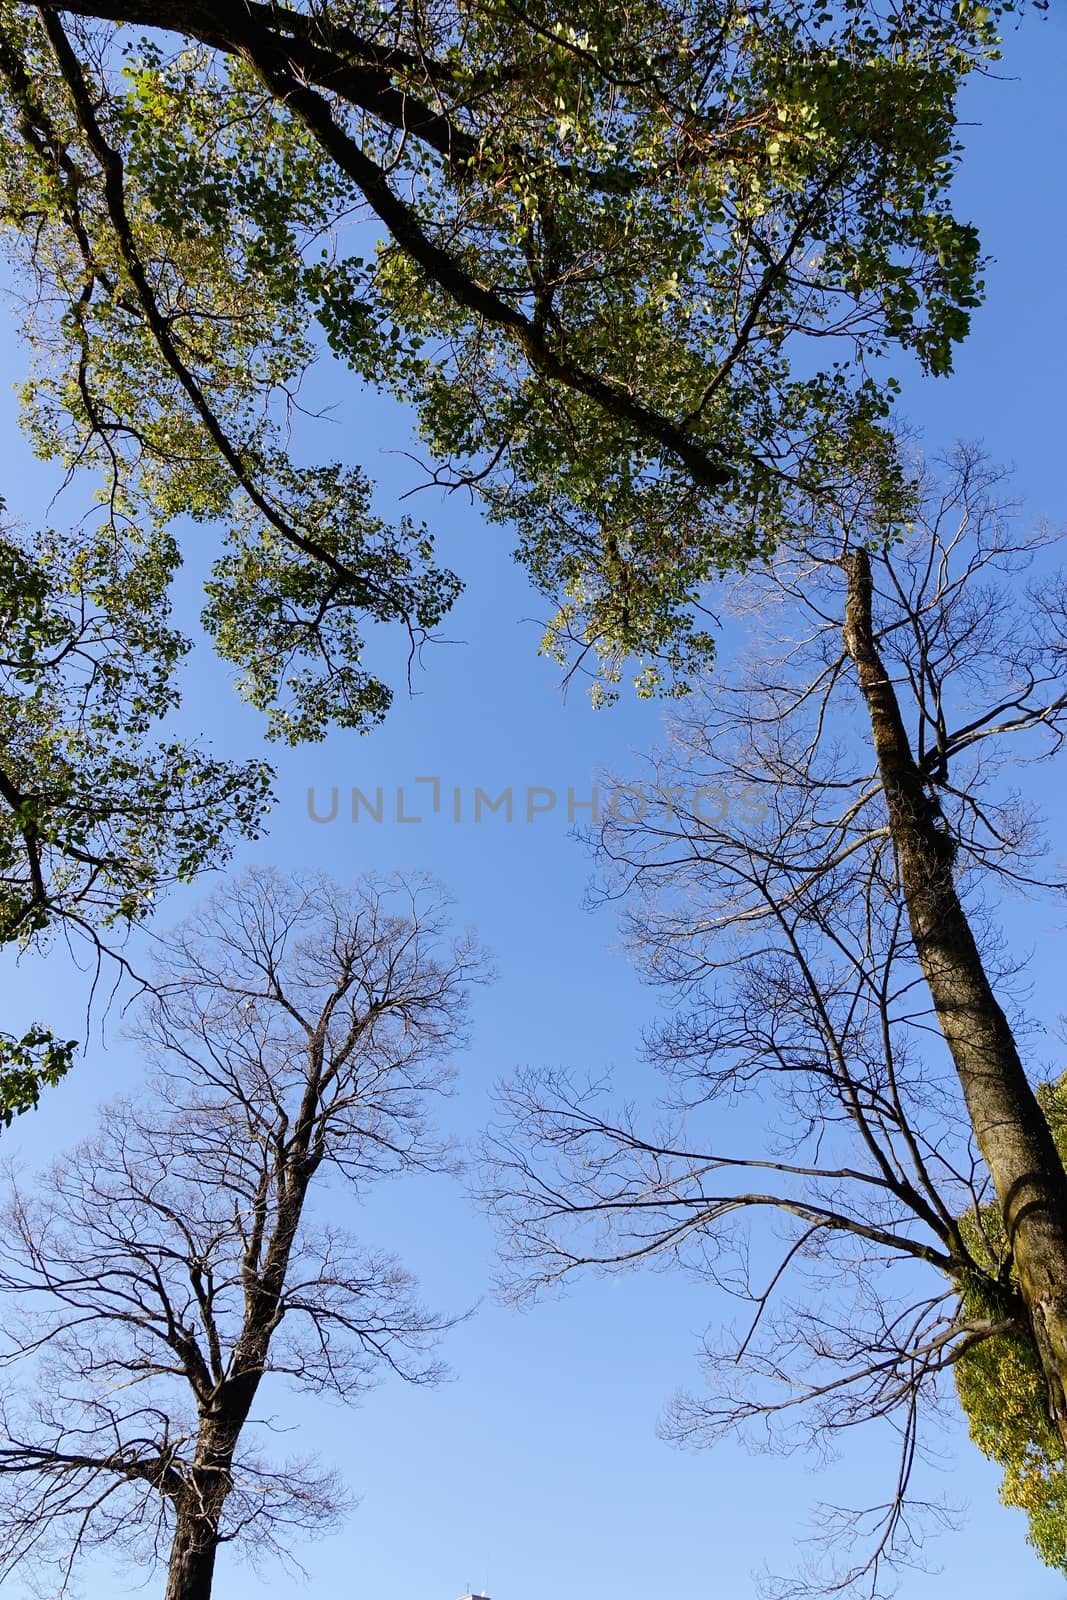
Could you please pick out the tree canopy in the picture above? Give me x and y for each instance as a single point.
(629, 267)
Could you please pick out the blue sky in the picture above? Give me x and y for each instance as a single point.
(537, 1472)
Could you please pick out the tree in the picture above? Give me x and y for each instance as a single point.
(811, 874)
(173, 1262)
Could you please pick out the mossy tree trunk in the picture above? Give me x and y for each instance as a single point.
(1009, 1127)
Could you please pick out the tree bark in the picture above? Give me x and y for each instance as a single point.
(1009, 1126)
(199, 1506)
(191, 1570)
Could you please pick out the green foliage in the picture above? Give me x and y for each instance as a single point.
(170, 343)
(628, 264)
(1002, 1389)
(98, 811)
(38, 1060)
(678, 238)
(293, 625)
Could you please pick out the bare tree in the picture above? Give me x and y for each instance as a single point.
(810, 873)
(171, 1262)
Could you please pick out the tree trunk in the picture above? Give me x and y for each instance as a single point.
(198, 1508)
(1009, 1127)
(192, 1556)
